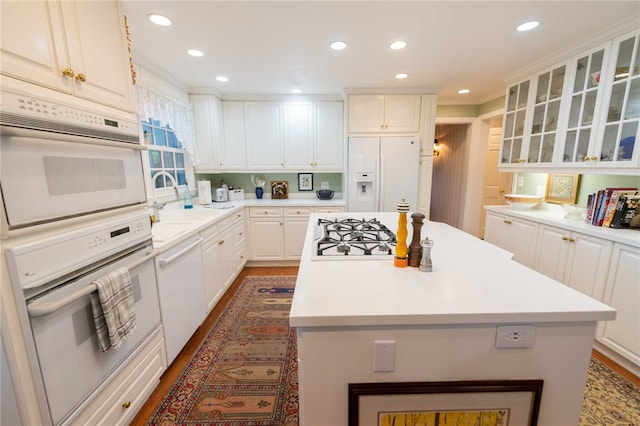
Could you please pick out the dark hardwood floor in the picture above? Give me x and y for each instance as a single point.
(174, 370)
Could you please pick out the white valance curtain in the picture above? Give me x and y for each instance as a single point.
(152, 104)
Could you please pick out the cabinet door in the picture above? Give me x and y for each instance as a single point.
(212, 263)
(33, 46)
(228, 255)
(234, 135)
(522, 241)
(514, 124)
(621, 132)
(267, 241)
(366, 113)
(97, 48)
(551, 253)
(546, 114)
(588, 264)
(329, 136)
(402, 113)
(295, 230)
(496, 230)
(586, 100)
(298, 135)
(263, 132)
(622, 292)
(204, 124)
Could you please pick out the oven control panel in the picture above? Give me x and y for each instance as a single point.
(37, 263)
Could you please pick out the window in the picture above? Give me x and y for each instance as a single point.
(165, 153)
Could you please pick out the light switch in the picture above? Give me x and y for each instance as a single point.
(384, 355)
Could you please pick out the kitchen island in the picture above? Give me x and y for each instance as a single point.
(436, 326)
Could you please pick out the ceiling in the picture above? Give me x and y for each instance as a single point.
(268, 47)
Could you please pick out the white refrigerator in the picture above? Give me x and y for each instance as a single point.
(382, 171)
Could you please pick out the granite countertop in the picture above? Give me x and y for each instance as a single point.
(472, 282)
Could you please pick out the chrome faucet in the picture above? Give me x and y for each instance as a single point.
(171, 178)
(156, 210)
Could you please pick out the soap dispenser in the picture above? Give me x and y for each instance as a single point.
(187, 200)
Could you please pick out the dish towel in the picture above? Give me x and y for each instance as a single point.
(113, 309)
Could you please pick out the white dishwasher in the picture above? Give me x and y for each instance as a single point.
(181, 291)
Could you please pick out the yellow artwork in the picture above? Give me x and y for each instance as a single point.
(495, 417)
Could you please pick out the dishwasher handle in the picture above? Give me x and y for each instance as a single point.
(168, 260)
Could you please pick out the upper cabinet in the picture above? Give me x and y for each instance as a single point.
(263, 135)
(233, 139)
(76, 47)
(384, 113)
(207, 117)
(581, 115)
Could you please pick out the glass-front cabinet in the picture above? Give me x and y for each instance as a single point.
(586, 97)
(546, 116)
(514, 123)
(620, 132)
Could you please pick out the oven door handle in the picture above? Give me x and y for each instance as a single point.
(40, 308)
(168, 260)
(41, 134)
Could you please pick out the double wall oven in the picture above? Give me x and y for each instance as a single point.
(73, 210)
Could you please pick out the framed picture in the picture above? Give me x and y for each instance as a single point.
(562, 189)
(490, 402)
(305, 181)
(279, 189)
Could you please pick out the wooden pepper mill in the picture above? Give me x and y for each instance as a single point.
(415, 248)
(400, 260)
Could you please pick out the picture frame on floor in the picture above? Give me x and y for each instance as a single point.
(495, 402)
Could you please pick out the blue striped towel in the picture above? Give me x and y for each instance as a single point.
(113, 309)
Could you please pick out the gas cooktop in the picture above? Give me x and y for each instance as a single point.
(352, 238)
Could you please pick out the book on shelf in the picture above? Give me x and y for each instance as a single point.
(626, 208)
(616, 193)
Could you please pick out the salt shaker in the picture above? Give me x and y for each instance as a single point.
(425, 262)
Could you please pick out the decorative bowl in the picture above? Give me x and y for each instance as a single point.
(325, 194)
(574, 212)
(521, 201)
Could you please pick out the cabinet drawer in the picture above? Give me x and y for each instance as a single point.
(265, 211)
(211, 232)
(329, 209)
(119, 402)
(297, 211)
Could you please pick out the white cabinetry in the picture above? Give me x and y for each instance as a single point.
(577, 260)
(384, 113)
(234, 139)
(266, 230)
(622, 292)
(263, 135)
(313, 136)
(296, 220)
(212, 265)
(77, 47)
(515, 235)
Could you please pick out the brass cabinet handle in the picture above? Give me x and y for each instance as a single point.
(68, 72)
(586, 158)
(594, 158)
(126, 404)
(266, 212)
(572, 240)
(81, 77)
(221, 242)
(565, 238)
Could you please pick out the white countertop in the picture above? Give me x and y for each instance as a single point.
(177, 224)
(550, 215)
(472, 282)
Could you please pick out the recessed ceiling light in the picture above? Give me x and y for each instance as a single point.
(195, 52)
(402, 75)
(222, 78)
(296, 90)
(338, 45)
(398, 45)
(159, 20)
(464, 91)
(526, 26)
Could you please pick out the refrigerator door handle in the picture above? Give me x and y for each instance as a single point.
(380, 182)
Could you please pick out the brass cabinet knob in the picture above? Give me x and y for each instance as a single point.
(586, 158)
(565, 238)
(572, 240)
(126, 404)
(594, 158)
(221, 242)
(68, 72)
(81, 77)
(219, 164)
(266, 212)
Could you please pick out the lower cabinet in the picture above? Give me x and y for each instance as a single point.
(575, 259)
(278, 233)
(223, 256)
(622, 292)
(515, 235)
(120, 400)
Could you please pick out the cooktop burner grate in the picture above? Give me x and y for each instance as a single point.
(353, 237)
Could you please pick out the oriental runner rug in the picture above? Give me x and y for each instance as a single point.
(245, 372)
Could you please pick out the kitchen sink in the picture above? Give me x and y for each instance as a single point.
(188, 216)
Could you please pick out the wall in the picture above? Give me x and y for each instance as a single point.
(243, 180)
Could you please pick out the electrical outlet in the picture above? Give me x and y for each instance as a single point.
(324, 185)
(515, 336)
(520, 181)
